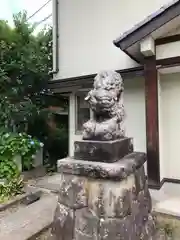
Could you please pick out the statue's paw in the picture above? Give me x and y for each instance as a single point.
(86, 135)
(88, 129)
(121, 133)
(108, 136)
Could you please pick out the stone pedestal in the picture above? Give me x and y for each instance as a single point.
(106, 151)
(103, 200)
(38, 160)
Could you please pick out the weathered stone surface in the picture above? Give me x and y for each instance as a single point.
(110, 199)
(73, 191)
(135, 158)
(148, 230)
(150, 226)
(107, 151)
(148, 198)
(144, 205)
(115, 229)
(86, 224)
(122, 206)
(144, 198)
(63, 225)
(133, 193)
(137, 217)
(140, 178)
(80, 236)
(140, 208)
(114, 171)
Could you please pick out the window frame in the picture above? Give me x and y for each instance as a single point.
(80, 94)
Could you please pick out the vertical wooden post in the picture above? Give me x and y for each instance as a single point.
(152, 129)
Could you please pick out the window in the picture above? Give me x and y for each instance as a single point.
(82, 111)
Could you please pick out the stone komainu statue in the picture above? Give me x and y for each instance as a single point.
(108, 110)
(101, 169)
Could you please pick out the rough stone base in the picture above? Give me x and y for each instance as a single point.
(113, 204)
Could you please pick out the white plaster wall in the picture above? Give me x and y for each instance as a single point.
(170, 111)
(134, 101)
(135, 122)
(161, 136)
(168, 50)
(87, 29)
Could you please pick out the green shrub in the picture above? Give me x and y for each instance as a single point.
(11, 188)
(11, 145)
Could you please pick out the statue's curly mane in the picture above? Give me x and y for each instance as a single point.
(108, 80)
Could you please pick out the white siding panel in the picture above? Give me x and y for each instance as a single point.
(170, 111)
(87, 29)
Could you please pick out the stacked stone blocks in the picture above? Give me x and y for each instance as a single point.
(103, 201)
(103, 192)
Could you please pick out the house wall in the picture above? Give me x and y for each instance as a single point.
(168, 50)
(161, 130)
(170, 124)
(134, 101)
(86, 31)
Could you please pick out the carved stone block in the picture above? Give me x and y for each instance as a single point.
(86, 225)
(148, 199)
(140, 178)
(137, 158)
(135, 207)
(106, 151)
(110, 199)
(116, 171)
(145, 203)
(148, 231)
(81, 236)
(115, 229)
(73, 191)
(150, 226)
(63, 225)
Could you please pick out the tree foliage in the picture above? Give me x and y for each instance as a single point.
(25, 60)
(25, 63)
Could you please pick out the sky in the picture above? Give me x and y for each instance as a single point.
(9, 7)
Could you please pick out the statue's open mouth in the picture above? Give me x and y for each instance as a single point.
(104, 98)
(106, 101)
